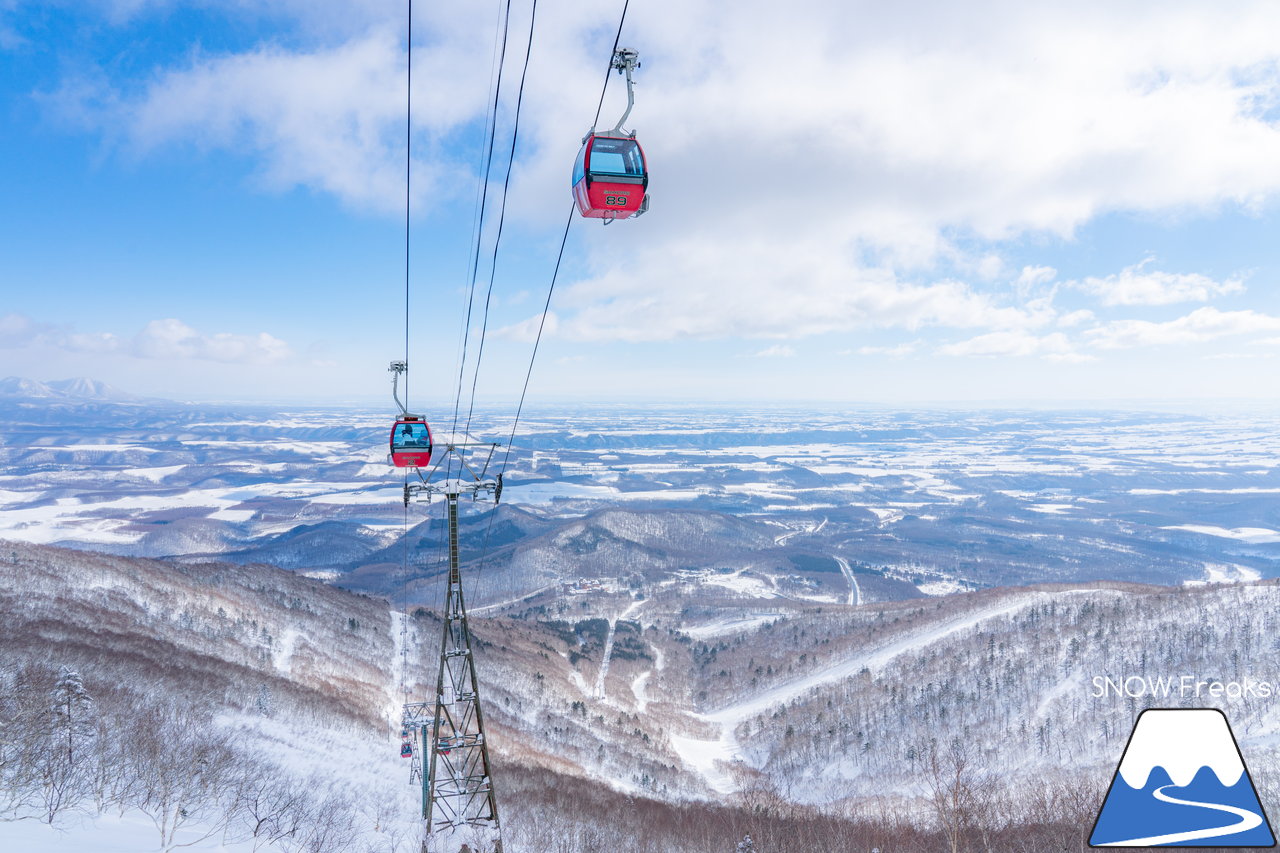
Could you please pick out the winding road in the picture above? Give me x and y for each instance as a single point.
(1248, 821)
(855, 591)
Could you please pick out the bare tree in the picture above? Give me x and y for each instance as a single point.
(324, 824)
(184, 767)
(957, 785)
(61, 787)
(268, 805)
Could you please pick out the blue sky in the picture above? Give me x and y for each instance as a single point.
(1070, 202)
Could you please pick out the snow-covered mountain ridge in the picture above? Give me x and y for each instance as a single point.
(80, 388)
(787, 615)
(835, 703)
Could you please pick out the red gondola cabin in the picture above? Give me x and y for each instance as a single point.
(411, 443)
(609, 178)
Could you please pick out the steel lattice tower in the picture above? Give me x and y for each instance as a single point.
(457, 787)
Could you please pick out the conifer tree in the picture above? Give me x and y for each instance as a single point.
(72, 711)
(265, 703)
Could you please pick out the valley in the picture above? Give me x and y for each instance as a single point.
(818, 506)
(776, 619)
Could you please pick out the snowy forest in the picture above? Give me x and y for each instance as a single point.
(250, 708)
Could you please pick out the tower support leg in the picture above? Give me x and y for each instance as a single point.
(457, 790)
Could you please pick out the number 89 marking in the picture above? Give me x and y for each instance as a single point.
(616, 200)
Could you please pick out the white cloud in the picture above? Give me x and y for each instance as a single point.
(903, 137)
(1030, 276)
(1201, 325)
(897, 351)
(526, 331)
(775, 351)
(1076, 318)
(325, 118)
(17, 330)
(1240, 356)
(809, 170)
(167, 339)
(989, 267)
(1016, 343)
(1136, 285)
(160, 339)
(691, 290)
(1034, 280)
(327, 115)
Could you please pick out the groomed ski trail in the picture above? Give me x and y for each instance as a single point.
(474, 610)
(608, 649)
(708, 757)
(397, 690)
(640, 684)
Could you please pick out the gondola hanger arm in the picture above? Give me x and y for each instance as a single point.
(396, 368)
(625, 60)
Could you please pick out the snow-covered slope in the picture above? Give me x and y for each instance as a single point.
(606, 690)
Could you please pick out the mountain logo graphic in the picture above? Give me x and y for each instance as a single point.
(1182, 783)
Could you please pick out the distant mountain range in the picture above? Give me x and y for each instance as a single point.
(77, 389)
(795, 507)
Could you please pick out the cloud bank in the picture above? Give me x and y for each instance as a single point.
(823, 168)
(164, 340)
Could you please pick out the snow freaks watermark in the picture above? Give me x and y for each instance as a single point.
(1181, 687)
